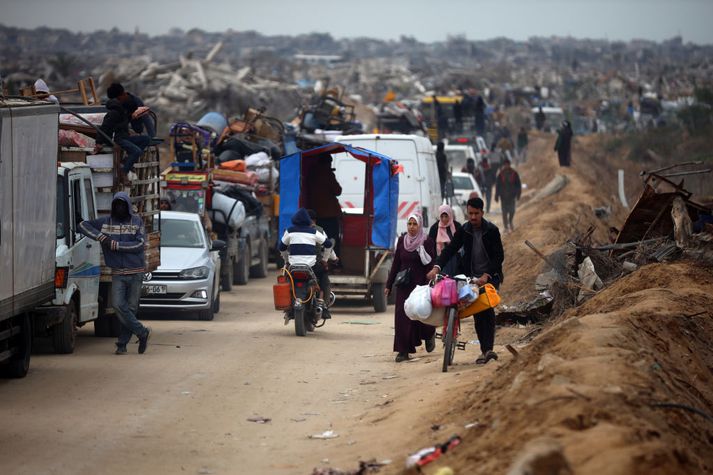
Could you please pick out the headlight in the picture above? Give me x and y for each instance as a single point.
(194, 273)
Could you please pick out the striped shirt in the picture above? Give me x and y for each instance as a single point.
(301, 244)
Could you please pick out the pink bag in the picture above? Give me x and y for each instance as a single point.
(444, 293)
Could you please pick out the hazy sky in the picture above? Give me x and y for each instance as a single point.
(426, 20)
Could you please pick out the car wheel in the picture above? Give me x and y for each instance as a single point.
(378, 298)
(19, 364)
(216, 304)
(207, 314)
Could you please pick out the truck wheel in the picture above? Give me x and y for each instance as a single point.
(227, 277)
(242, 268)
(19, 364)
(260, 270)
(378, 298)
(64, 335)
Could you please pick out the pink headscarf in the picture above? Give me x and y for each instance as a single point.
(411, 243)
(442, 239)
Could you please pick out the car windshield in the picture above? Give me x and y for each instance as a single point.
(181, 233)
(462, 183)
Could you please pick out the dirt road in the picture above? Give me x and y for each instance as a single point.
(184, 406)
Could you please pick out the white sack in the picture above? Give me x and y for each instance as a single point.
(233, 209)
(418, 304)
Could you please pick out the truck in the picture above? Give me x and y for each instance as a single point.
(28, 189)
(191, 183)
(88, 182)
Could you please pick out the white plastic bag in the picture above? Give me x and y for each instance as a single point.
(418, 304)
(232, 208)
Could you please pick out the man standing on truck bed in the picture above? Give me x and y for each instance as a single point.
(121, 235)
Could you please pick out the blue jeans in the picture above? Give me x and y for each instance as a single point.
(145, 122)
(125, 293)
(134, 146)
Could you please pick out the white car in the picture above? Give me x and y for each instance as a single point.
(463, 185)
(188, 279)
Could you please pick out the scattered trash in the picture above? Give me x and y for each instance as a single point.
(390, 376)
(444, 471)
(435, 427)
(259, 420)
(429, 454)
(327, 434)
(471, 425)
(512, 350)
(371, 466)
(362, 322)
(186, 393)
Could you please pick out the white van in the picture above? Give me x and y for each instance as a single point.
(419, 187)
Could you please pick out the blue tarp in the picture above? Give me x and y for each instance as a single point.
(385, 186)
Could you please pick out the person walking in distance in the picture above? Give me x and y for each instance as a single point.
(482, 259)
(414, 254)
(121, 235)
(487, 174)
(563, 145)
(442, 165)
(522, 142)
(508, 189)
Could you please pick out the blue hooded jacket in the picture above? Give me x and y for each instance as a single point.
(122, 240)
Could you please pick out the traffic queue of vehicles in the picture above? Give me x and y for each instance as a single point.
(67, 286)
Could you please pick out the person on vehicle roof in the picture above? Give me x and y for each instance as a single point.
(136, 110)
(115, 125)
(482, 259)
(121, 235)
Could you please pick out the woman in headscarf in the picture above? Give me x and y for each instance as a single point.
(417, 252)
(442, 232)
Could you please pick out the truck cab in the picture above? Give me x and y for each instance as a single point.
(77, 260)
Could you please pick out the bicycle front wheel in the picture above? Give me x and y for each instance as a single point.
(449, 340)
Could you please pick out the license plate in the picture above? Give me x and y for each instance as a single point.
(152, 289)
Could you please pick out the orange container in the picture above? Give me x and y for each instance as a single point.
(282, 294)
(489, 298)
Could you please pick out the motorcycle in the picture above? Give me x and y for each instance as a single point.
(296, 293)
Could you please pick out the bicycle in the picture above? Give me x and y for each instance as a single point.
(487, 297)
(451, 326)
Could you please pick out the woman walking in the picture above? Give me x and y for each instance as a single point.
(415, 251)
(442, 232)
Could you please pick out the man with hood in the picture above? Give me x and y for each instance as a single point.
(563, 145)
(42, 91)
(300, 242)
(508, 188)
(116, 126)
(135, 109)
(121, 235)
(483, 257)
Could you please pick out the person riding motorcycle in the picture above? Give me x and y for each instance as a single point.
(299, 247)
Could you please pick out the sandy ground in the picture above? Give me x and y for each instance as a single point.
(589, 386)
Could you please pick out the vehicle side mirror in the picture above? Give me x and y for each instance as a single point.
(217, 245)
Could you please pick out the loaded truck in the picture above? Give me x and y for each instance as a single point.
(86, 184)
(28, 189)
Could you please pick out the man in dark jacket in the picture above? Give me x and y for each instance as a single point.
(442, 165)
(508, 189)
(116, 126)
(483, 257)
(563, 145)
(121, 235)
(135, 109)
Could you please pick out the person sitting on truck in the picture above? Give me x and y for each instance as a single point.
(42, 91)
(121, 235)
(135, 109)
(299, 243)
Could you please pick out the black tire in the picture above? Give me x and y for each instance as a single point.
(19, 364)
(378, 298)
(64, 335)
(449, 340)
(242, 268)
(300, 327)
(216, 304)
(226, 279)
(208, 314)
(260, 270)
